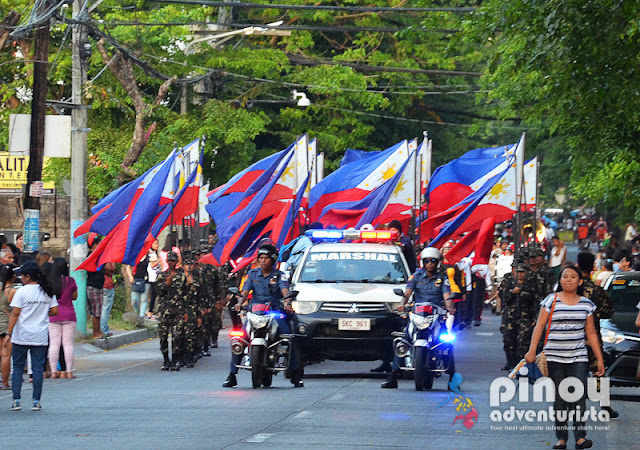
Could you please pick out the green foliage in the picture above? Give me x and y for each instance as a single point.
(244, 106)
(569, 68)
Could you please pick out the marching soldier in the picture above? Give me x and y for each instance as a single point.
(193, 320)
(519, 297)
(171, 290)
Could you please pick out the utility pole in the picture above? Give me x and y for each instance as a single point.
(36, 142)
(79, 119)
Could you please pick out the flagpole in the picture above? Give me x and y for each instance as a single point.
(519, 186)
(412, 227)
(173, 180)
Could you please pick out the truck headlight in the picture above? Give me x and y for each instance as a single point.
(257, 321)
(611, 337)
(305, 307)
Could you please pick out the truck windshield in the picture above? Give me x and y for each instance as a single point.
(353, 267)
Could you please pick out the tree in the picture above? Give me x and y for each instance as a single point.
(569, 69)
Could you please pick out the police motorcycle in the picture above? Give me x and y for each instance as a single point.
(426, 347)
(263, 352)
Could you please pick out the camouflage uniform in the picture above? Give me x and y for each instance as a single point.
(192, 308)
(519, 313)
(171, 311)
(604, 310)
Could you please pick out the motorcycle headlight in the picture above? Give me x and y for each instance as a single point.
(305, 307)
(422, 322)
(611, 337)
(257, 321)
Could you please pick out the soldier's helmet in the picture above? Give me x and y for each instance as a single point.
(172, 256)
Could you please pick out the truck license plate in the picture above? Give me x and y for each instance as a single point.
(354, 324)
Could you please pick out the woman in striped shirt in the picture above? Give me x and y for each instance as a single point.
(566, 351)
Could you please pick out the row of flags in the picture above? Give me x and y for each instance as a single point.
(275, 196)
(131, 217)
(470, 194)
(264, 202)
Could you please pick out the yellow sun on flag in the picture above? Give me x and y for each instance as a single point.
(287, 172)
(499, 189)
(399, 187)
(388, 173)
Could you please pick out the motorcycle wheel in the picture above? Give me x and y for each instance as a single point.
(451, 369)
(423, 377)
(267, 378)
(257, 368)
(420, 358)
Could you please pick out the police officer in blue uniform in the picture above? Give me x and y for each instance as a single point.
(427, 285)
(269, 286)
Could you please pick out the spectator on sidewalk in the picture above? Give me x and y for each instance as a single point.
(43, 257)
(31, 307)
(108, 293)
(153, 269)
(62, 327)
(558, 256)
(9, 288)
(139, 286)
(169, 246)
(95, 294)
(6, 256)
(5, 311)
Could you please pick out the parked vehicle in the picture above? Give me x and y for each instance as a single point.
(619, 334)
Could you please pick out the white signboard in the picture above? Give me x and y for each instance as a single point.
(57, 135)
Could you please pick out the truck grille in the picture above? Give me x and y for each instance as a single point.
(331, 331)
(345, 307)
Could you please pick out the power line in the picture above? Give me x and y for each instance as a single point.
(317, 7)
(325, 29)
(297, 59)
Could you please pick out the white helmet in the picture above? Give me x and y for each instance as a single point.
(429, 253)
(367, 227)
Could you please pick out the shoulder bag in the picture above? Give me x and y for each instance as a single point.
(541, 358)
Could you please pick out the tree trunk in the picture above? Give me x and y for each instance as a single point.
(122, 69)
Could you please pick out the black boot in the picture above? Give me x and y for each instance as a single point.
(296, 379)
(382, 368)
(612, 412)
(231, 381)
(166, 365)
(391, 382)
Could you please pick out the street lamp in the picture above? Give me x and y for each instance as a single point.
(304, 101)
(243, 31)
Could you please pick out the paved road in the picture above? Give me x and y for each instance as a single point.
(121, 399)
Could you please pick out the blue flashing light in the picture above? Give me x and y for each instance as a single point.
(328, 235)
(276, 315)
(447, 337)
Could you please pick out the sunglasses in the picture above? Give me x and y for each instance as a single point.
(432, 260)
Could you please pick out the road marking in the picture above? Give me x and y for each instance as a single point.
(484, 333)
(336, 397)
(302, 414)
(261, 437)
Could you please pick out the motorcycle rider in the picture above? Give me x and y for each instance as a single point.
(268, 286)
(428, 285)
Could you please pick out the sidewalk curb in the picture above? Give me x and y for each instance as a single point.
(128, 337)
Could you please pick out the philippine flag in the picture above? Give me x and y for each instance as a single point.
(497, 199)
(452, 183)
(355, 180)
